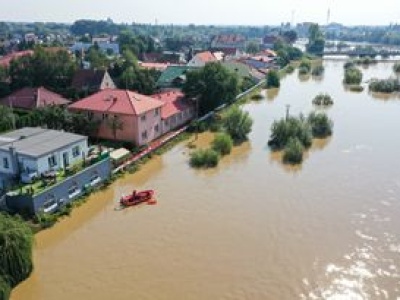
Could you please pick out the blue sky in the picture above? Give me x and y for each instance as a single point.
(247, 12)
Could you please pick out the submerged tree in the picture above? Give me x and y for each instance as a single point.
(273, 80)
(237, 123)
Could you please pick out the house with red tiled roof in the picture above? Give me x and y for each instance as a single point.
(176, 110)
(30, 98)
(201, 59)
(6, 60)
(123, 115)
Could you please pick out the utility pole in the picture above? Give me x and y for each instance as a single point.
(287, 111)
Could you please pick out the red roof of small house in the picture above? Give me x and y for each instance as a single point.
(174, 102)
(6, 60)
(30, 98)
(116, 101)
(206, 56)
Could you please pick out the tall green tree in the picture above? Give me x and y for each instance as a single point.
(316, 40)
(212, 86)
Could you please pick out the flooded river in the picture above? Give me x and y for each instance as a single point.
(251, 228)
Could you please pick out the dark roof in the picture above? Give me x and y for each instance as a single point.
(30, 98)
(88, 79)
(171, 73)
(36, 142)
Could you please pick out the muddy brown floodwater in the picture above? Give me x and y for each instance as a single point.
(251, 228)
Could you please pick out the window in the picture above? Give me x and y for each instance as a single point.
(144, 135)
(166, 122)
(95, 179)
(105, 116)
(6, 165)
(52, 161)
(50, 204)
(156, 112)
(73, 191)
(76, 151)
(143, 118)
(156, 128)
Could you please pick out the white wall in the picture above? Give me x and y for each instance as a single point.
(149, 126)
(41, 164)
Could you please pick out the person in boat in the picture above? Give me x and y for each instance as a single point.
(134, 194)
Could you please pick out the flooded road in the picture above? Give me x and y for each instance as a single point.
(251, 228)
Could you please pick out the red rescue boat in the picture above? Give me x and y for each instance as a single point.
(137, 198)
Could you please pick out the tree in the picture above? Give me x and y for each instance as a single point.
(16, 239)
(43, 68)
(253, 48)
(212, 85)
(352, 76)
(7, 118)
(321, 125)
(316, 40)
(290, 36)
(273, 80)
(237, 123)
(293, 151)
(285, 129)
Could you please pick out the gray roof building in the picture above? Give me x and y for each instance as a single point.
(36, 142)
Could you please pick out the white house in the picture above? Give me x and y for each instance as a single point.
(34, 151)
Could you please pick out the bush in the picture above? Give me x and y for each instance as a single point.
(385, 86)
(353, 76)
(237, 123)
(273, 80)
(322, 100)
(321, 125)
(45, 220)
(204, 158)
(293, 151)
(222, 143)
(396, 68)
(292, 127)
(318, 70)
